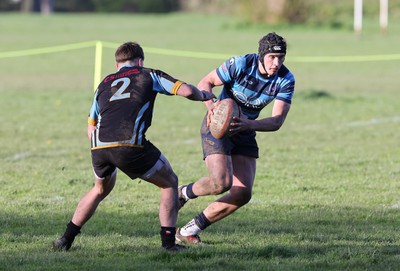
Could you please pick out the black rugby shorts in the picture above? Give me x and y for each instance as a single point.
(133, 161)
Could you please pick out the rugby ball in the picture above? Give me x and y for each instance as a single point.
(224, 112)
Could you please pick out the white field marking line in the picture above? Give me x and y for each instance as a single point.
(23, 155)
(191, 141)
(374, 121)
(395, 206)
(19, 156)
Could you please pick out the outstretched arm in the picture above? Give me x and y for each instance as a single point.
(192, 93)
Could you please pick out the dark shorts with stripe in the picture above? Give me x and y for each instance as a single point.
(243, 143)
(133, 161)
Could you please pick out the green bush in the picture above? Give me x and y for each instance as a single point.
(333, 13)
(157, 6)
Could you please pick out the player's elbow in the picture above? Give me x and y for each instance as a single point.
(275, 126)
(277, 123)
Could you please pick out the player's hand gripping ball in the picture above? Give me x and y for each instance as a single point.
(224, 112)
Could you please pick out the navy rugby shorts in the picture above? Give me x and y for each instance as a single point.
(243, 143)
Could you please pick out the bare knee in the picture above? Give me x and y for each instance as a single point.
(220, 185)
(99, 192)
(241, 195)
(173, 180)
(103, 187)
(167, 181)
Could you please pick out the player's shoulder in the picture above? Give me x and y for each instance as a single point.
(243, 61)
(153, 71)
(247, 59)
(157, 75)
(284, 72)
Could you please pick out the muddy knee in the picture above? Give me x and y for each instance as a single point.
(219, 186)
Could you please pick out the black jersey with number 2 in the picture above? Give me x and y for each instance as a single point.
(122, 107)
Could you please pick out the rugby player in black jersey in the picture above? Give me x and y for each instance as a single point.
(119, 117)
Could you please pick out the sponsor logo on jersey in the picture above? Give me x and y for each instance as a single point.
(248, 81)
(120, 75)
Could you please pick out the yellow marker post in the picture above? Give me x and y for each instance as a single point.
(97, 64)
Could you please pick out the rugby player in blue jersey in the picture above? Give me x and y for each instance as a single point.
(253, 81)
(120, 115)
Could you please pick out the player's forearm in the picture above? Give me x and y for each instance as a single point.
(207, 83)
(207, 87)
(196, 94)
(270, 124)
(275, 122)
(192, 93)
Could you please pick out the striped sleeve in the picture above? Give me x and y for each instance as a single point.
(176, 87)
(94, 111)
(164, 83)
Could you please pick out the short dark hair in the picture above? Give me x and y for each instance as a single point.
(129, 51)
(271, 43)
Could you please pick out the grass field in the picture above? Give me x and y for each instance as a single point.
(327, 191)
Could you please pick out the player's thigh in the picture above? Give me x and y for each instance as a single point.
(161, 174)
(244, 170)
(219, 166)
(105, 185)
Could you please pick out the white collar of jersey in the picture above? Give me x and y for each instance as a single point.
(125, 65)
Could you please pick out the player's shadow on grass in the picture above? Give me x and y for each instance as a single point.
(102, 222)
(283, 231)
(288, 231)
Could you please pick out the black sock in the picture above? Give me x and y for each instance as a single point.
(201, 221)
(71, 231)
(167, 236)
(189, 191)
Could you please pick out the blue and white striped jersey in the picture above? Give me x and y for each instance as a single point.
(244, 83)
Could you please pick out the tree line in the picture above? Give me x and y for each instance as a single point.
(335, 13)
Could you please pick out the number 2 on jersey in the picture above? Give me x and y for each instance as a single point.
(119, 94)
